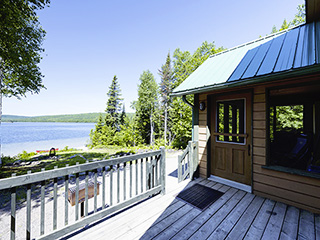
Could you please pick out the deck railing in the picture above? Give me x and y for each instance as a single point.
(123, 181)
(188, 161)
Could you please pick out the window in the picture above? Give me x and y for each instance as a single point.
(230, 121)
(294, 128)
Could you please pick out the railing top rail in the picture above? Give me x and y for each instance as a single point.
(55, 173)
(185, 152)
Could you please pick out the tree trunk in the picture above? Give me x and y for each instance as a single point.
(151, 129)
(165, 124)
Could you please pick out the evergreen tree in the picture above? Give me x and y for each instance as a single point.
(146, 107)
(95, 135)
(180, 114)
(123, 116)
(165, 89)
(299, 18)
(114, 105)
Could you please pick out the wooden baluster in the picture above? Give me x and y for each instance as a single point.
(124, 180)
(66, 206)
(156, 170)
(147, 175)
(151, 172)
(141, 170)
(131, 179)
(137, 180)
(118, 183)
(95, 190)
(163, 170)
(111, 185)
(86, 202)
(77, 195)
(103, 187)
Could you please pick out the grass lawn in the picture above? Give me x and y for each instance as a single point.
(33, 162)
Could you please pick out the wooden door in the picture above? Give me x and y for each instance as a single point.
(231, 137)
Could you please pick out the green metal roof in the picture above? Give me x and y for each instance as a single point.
(284, 52)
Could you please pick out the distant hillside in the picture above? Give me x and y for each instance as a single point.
(83, 117)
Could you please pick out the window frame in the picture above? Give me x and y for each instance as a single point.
(217, 133)
(306, 88)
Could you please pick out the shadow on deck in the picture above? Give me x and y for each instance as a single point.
(235, 215)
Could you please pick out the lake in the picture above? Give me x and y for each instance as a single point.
(32, 136)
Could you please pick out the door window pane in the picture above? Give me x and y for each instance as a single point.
(230, 121)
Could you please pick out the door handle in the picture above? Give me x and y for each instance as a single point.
(249, 149)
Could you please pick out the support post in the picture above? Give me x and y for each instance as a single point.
(179, 169)
(191, 160)
(163, 170)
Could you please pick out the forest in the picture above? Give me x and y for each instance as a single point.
(159, 119)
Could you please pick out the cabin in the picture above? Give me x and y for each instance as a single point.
(256, 114)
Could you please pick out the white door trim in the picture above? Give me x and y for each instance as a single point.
(231, 183)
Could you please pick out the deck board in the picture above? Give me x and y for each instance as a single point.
(317, 226)
(194, 225)
(290, 224)
(235, 215)
(226, 226)
(306, 225)
(214, 221)
(274, 225)
(243, 225)
(258, 226)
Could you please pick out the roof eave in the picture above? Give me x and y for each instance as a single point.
(249, 81)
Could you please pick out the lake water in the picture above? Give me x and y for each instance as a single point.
(32, 136)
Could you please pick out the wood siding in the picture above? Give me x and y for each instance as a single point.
(299, 191)
(296, 190)
(203, 137)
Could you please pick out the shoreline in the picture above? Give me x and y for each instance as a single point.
(13, 149)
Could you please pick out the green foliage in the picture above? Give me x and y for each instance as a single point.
(21, 37)
(25, 155)
(106, 130)
(166, 75)
(287, 118)
(147, 107)
(299, 18)
(114, 104)
(184, 64)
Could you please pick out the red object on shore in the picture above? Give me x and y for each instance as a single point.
(40, 151)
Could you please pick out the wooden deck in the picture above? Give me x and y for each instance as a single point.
(236, 215)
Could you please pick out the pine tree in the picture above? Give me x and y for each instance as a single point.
(114, 104)
(123, 116)
(165, 89)
(95, 135)
(147, 107)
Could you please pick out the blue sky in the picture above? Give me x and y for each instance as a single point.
(88, 42)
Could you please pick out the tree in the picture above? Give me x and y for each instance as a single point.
(95, 135)
(114, 104)
(146, 107)
(165, 89)
(184, 64)
(299, 18)
(21, 37)
(123, 115)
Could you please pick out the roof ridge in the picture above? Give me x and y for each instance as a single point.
(258, 40)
